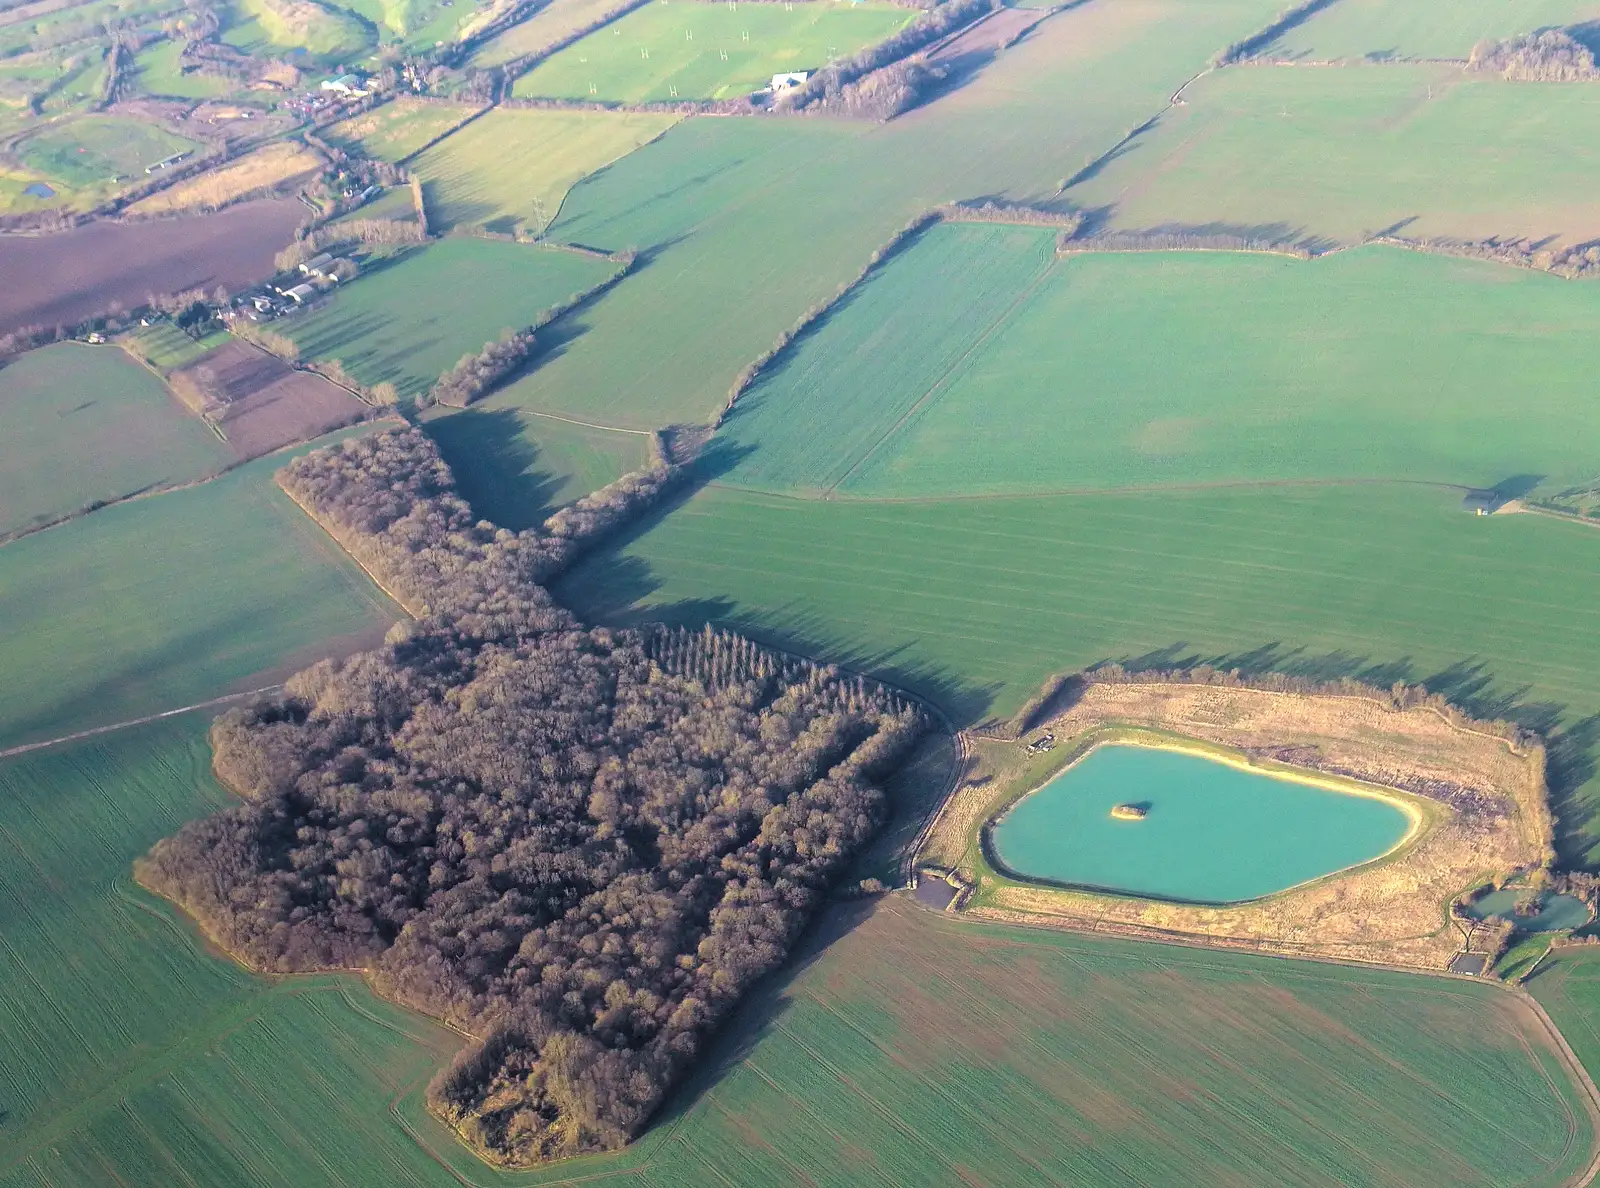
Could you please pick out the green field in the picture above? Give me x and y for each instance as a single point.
(549, 24)
(416, 24)
(1388, 29)
(166, 601)
(409, 321)
(1568, 987)
(511, 170)
(914, 1051)
(82, 424)
(699, 49)
(160, 73)
(166, 348)
(976, 362)
(1342, 153)
(397, 129)
(516, 470)
(745, 217)
(974, 602)
(87, 153)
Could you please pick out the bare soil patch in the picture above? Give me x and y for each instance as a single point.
(64, 278)
(1483, 799)
(261, 403)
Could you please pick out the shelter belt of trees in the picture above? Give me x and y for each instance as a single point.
(580, 845)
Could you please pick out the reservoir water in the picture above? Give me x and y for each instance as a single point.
(1211, 833)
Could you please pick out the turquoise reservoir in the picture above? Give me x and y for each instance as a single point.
(1212, 833)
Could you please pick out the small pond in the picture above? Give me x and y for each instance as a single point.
(38, 190)
(1210, 833)
(1557, 913)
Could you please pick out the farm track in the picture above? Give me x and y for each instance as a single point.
(93, 732)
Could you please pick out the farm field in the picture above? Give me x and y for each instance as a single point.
(84, 155)
(975, 602)
(176, 1060)
(82, 424)
(136, 1056)
(554, 22)
(416, 24)
(978, 362)
(1342, 153)
(166, 348)
(83, 270)
(510, 170)
(162, 602)
(699, 49)
(1390, 29)
(408, 321)
(517, 470)
(399, 128)
(1568, 987)
(743, 216)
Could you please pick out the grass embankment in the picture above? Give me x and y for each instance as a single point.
(1348, 151)
(698, 49)
(510, 170)
(1373, 363)
(973, 603)
(411, 319)
(323, 31)
(1393, 909)
(84, 424)
(163, 602)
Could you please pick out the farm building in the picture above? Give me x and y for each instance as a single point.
(315, 265)
(1481, 503)
(301, 294)
(346, 84)
(792, 81)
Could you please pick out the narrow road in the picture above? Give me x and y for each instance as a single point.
(171, 713)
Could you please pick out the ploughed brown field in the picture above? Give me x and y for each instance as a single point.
(260, 402)
(64, 278)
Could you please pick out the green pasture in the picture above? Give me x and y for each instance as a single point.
(1388, 29)
(510, 170)
(397, 129)
(409, 320)
(162, 602)
(1339, 154)
(89, 152)
(759, 221)
(978, 362)
(975, 602)
(416, 24)
(160, 72)
(549, 24)
(913, 1048)
(701, 49)
(82, 424)
(518, 469)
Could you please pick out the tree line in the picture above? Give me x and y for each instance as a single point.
(580, 845)
(1553, 55)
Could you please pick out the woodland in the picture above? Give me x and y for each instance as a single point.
(580, 845)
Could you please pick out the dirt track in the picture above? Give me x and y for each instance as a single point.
(64, 278)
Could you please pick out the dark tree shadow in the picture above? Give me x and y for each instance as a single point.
(496, 466)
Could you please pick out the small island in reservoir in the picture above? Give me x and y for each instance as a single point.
(1129, 812)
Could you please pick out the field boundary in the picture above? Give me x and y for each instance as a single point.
(94, 731)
